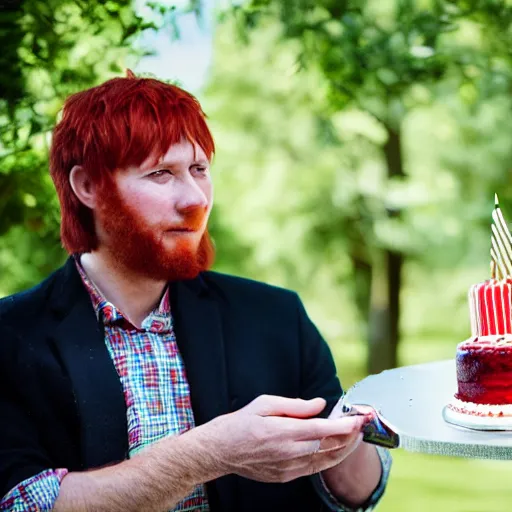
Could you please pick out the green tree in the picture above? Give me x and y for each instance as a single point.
(50, 50)
(388, 60)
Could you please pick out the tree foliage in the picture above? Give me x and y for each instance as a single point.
(50, 49)
(386, 62)
(359, 147)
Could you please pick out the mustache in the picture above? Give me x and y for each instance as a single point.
(192, 221)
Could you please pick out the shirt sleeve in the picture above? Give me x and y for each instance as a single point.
(335, 505)
(35, 494)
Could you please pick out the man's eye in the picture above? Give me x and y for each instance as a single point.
(160, 172)
(201, 169)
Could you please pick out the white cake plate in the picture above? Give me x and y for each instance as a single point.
(412, 399)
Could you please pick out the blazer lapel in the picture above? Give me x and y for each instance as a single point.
(79, 339)
(198, 329)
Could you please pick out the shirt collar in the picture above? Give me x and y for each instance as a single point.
(159, 320)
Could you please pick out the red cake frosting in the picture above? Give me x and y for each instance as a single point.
(484, 370)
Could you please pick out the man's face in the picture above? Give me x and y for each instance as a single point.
(153, 218)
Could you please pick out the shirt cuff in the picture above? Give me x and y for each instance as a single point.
(38, 493)
(335, 505)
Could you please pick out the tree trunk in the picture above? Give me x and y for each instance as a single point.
(361, 291)
(384, 314)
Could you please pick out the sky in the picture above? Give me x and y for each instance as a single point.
(187, 59)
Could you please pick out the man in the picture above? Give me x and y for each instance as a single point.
(135, 379)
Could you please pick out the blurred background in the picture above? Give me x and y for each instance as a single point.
(359, 147)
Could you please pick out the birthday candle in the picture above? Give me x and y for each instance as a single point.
(501, 245)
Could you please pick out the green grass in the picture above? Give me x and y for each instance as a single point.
(421, 483)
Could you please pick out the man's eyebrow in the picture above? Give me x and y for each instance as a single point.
(169, 163)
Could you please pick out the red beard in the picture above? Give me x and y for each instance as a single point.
(139, 248)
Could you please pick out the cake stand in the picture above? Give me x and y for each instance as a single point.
(411, 401)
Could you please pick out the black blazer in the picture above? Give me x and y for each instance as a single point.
(61, 401)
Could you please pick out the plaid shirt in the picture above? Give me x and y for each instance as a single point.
(157, 398)
(156, 393)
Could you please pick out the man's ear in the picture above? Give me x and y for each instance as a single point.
(83, 186)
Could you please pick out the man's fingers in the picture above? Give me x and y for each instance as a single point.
(319, 428)
(268, 405)
(324, 445)
(303, 449)
(335, 443)
(315, 460)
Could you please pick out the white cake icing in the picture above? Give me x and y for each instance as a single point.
(484, 410)
(494, 340)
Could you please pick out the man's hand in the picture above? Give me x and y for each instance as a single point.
(359, 473)
(276, 439)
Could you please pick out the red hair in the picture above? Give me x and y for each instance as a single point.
(113, 126)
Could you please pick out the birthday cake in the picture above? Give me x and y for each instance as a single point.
(484, 361)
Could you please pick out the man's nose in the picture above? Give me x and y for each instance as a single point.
(191, 196)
